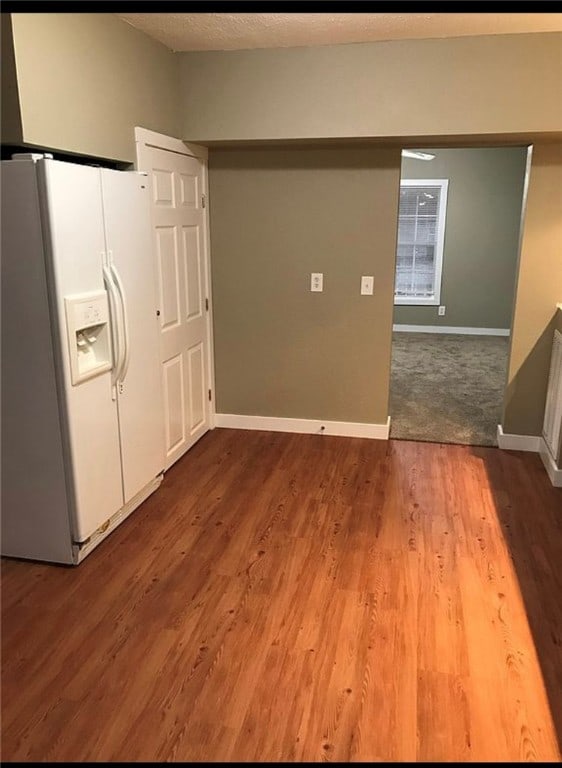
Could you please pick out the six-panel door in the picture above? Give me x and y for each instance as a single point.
(180, 249)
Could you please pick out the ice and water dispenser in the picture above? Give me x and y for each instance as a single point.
(89, 341)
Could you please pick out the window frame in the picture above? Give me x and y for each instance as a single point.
(435, 299)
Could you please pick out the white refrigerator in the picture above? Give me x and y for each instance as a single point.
(82, 406)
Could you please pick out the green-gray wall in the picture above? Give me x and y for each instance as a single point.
(483, 85)
(276, 216)
(87, 79)
(481, 235)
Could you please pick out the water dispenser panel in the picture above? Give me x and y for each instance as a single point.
(89, 342)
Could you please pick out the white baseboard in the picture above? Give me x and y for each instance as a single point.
(304, 426)
(554, 473)
(451, 329)
(517, 442)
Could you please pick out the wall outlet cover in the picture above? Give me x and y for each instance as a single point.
(367, 285)
(317, 282)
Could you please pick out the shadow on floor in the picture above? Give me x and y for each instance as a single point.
(533, 534)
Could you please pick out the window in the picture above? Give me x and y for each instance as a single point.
(421, 234)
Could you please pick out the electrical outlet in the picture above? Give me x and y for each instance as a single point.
(441, 311)
(367, 285)
(317, 282)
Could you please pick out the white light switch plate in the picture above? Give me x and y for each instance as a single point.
(367, 285)
(317, 282)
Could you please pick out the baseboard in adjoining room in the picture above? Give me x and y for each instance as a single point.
(400, 328)
(510, 442)
(304, 426)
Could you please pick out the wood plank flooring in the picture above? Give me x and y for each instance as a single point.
(300, 598)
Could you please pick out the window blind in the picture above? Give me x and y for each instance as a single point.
(418, 231)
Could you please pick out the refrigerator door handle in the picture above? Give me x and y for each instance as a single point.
(116, 332)
(126, 338)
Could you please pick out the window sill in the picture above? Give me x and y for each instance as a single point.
(405, 301)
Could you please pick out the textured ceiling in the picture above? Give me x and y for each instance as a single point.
(228, 31)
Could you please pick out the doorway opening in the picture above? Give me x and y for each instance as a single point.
(459, 227)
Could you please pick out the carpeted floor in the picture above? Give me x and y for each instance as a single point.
(447, 388)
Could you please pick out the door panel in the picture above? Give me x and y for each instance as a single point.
(196, 380)
(192, 255)
(163, 187)
(179, 221)
(167, 265)
(189, 187)
(174, 402)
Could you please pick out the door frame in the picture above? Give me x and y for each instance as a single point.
(161, 141)
(504, 440)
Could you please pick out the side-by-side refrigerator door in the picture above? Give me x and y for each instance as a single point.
(140, 402)
(74, 217)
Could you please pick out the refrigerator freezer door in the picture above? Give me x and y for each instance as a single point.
(140, 402)
(74, 217)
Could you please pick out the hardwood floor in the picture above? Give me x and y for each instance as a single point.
(300, 598)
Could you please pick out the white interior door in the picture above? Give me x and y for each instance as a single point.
(178, 178)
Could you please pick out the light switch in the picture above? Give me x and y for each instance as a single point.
(317, 281)
(367, 285)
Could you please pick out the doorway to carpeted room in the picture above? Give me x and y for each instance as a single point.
(447, 388)
(457, 260)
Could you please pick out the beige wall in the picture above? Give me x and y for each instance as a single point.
(86, 79)
(539, 289)
(558, 326)
(481, 235)
(11, 118)
(276, 216)
(441, 87)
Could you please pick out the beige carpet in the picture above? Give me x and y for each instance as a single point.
(447, 388)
